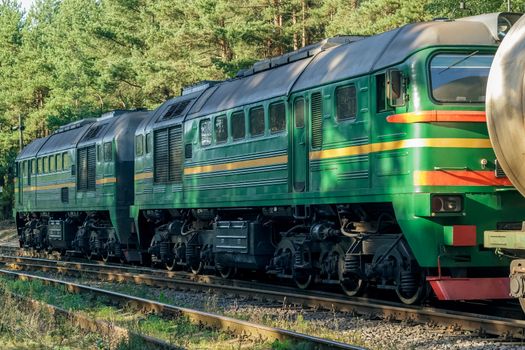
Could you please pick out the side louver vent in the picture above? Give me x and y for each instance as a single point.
(175, 161)
(168, 155)
(86, 179)
(499, 170)
(317, 120)
(160, 158)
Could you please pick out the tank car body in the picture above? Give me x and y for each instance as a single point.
(74, 188)
(506, 129)
(355, 161)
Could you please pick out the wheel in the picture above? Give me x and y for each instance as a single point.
(105, 256)
(303, 281)
(88, 255)
(171, 265)
(351, 285)
(304, 277)
(226, 272)
(412, 287)
(197, 268)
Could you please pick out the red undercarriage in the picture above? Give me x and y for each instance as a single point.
(448, 288)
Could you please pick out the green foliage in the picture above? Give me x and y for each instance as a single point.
(69, 59)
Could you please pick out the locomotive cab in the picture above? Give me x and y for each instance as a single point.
(460, 190)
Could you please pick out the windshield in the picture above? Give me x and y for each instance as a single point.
(460, 77)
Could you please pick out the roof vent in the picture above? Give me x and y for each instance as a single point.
(202, 85)
(93, 132)
(75, 125)
(297, 55)
(175, 110)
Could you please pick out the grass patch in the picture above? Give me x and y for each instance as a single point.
(21, 328)
(177, 331)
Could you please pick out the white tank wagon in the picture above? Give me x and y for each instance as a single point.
(505, 110)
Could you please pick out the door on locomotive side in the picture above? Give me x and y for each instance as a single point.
(299, 132)
(20, 183)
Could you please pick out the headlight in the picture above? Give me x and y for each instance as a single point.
(447, 204)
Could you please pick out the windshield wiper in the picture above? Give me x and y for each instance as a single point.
(459, 61)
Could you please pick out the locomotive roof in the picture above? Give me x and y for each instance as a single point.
(339, 62)
(64, 138)
(110, 125)
(78, 133)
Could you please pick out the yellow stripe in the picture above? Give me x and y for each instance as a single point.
(394, 145)
(107, 180)
(49, 187)
(69, 184)
(237, 165)
(143, 176)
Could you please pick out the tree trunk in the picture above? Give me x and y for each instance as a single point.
(303, 9)
(295, 34)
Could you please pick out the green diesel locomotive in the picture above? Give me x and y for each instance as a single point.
(74, 188)
(355, 161)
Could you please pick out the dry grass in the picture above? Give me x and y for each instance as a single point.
(177, 331)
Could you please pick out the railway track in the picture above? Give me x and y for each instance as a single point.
(485, 324)
(109, 330)
(215, 321)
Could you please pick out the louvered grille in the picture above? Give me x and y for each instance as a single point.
(175, 154)
(168, 155)
(175, 110)
(92, 168)
(86, 178)
(499, 170)
(317, 120)
(93, 132)
(160, 151)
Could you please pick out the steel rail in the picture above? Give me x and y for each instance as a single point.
(485, 324)
(224, 323)
(93, 325)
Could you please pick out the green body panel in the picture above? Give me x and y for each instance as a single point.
(261, 171)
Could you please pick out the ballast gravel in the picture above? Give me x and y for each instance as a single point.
(366, 331)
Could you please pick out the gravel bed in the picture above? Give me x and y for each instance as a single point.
(364, 330)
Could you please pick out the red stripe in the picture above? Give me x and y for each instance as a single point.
(458, 178)
(438, 116)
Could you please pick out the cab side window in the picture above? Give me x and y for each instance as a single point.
(345, 103)
(59, 161)
(257, 121)
(238, 125)
(65, 159)
(277, 117)
(221, 129)
(108, 152)
(139, 145)
(205, 132)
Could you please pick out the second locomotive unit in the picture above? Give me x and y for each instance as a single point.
(355, 161)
